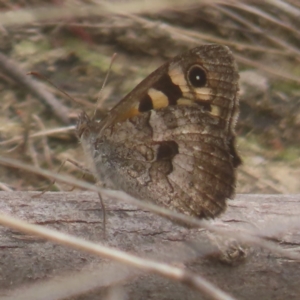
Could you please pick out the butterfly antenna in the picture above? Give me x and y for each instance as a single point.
(38, 75)
(104, 83)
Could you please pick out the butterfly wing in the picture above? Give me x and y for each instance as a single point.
(171, 140)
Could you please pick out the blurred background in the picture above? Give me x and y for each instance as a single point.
(71, 43)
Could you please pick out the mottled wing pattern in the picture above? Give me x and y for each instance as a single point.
(172, 140)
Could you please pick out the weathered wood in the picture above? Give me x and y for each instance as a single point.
(252, 274)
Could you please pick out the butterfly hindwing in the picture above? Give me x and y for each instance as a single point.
(172, 140)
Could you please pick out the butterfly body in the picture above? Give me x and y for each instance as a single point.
(171, 140)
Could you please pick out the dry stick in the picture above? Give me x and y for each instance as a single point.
(283, 6)
(46, 148)
(200, 36)
(183, 35)
(14, 71)
(190, 279)
(4, 187)
(85, 170)
(95, 111)
(44, 78)
(242, 20)
(23, 17)
(77, 165)
(40, 14)
(246, 236)
(103, 215)
(40, 134)
(28, 16)
(33, 153)
(196, 36)
(265, 15)
(99, 104)
(278, 41)
(74, 284)
(268, 184)
(271, 71)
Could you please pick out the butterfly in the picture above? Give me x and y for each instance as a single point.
(171, 140)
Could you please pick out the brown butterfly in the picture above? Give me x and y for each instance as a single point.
(172, 139)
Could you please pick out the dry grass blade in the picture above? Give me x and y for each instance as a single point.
(195, 37)
(287, 7)
(74, 284)
(174, 273)
(22, 17)
(244, 236)
(259, 12)
(271, 71)
(46, 147)
(13, 70)
(42, 133)
(4, 187)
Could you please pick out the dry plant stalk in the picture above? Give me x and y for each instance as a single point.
(250, 237)
(174, 273)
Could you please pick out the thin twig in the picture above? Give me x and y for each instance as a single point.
(46, 147)
(245, 236)
(190, 279)
(12, 69)
(42, 133)
(40, 14)
(5, 187)
(74, 284)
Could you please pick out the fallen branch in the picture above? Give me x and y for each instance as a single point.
(243, 271)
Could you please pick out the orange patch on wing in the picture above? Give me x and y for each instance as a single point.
(127, 114)
(159, 99)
